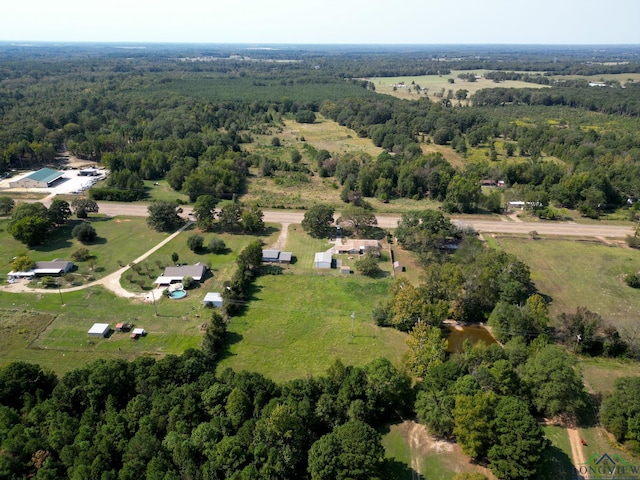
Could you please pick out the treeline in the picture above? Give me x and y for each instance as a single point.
(176, 418)
(608, 100)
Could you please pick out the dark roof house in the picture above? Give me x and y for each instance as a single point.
(177, 274)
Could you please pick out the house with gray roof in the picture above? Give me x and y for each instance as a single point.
(177, 274)
(54, 267)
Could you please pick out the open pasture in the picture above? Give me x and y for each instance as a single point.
(298, 325)
(439, 83)
(581, 274)
(37, 328)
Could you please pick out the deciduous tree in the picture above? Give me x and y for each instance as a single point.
(426, 349)
(164, 216)
(317, 220)
(205, 210)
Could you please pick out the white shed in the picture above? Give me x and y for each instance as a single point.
(212, 299)
(99, 330)
(322, 260)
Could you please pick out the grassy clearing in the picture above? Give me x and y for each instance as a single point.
(163, 192)
(600, 374)
(114, 244)
(436, 83)
(297, 325)
(222, 265)
(585, 274)
(63, 344)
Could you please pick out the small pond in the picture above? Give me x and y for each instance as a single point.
(474, 333)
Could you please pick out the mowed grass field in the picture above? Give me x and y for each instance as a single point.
(581, 274)
(119, 239)
(37, 328)
(300, 320)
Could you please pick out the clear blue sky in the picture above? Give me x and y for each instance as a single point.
(324, 21)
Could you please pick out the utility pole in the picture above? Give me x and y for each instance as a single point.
(353, 318)
(60, 292)
(155, 307)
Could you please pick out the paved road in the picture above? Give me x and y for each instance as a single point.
(391, 221)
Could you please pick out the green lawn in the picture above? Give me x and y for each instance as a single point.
(36, 328)
(120, 239)
(557, 462)
(297, 325)
(589, 274)
(222, 265)
(600, 373)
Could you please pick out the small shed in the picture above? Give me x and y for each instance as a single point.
(212, 299)
(346, 269)
(123, 327)
(270, 255)
(99, 330)
(397, 267)
(323, 260)
(137, 333)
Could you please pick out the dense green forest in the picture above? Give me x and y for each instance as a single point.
(188, 114)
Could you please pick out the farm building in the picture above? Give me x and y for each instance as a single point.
(322, 260)
(99, 330)
(177, 274)
(212, 299)
(89, 172)
(43, 178)
(123, 327)
(276, 256)
(137, 333)
(357, 246)
(55, 267)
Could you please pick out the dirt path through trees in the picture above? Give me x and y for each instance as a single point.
(576, 446)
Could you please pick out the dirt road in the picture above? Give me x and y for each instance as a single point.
(568, 229)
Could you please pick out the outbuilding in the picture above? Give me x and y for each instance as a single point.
(137, 333)
(43, 178)
(99, 330)
(212, 299)
(276, 256)
(323, 260)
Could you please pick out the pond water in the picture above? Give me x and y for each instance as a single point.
(474, 333)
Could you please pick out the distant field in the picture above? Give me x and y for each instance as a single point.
(588, 274)
(282, 190)
(435, 83)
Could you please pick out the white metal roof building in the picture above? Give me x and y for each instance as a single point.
(323, 260)
(213, 299)
(99, 330)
